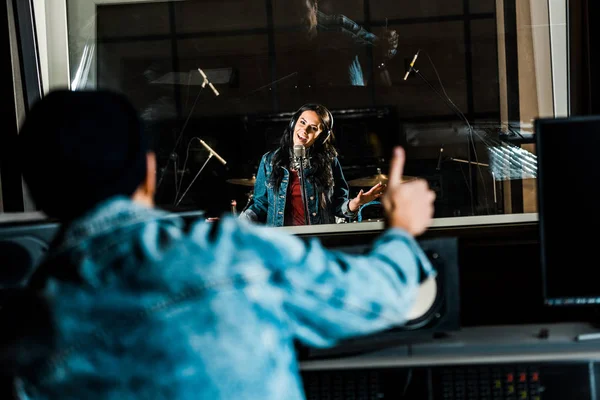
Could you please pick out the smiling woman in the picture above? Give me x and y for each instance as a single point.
(288, 186)
(307, 129)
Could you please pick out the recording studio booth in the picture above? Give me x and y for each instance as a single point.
(495, 101)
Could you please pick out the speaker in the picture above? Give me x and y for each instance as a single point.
(441, 318)
(22, 248)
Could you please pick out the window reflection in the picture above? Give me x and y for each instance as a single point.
(464, 118)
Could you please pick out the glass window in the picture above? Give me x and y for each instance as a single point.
(484, 71)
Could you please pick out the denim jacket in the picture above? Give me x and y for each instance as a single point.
(268, 206)
(144, 308)
(358, 36)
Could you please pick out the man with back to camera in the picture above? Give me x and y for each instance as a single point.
(145, 309)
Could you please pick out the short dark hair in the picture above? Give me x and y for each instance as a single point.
(79, 148)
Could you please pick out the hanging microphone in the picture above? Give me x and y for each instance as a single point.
(215, 91)
(440, 158)
(300, 154)
(411, 65)
(212, 152)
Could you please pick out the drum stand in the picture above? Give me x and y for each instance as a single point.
(250, 196)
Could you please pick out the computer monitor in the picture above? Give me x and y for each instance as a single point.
(568, 152)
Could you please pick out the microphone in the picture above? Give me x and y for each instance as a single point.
(213, 153)
(215, 91)
(299, 151)
(440, 158)
(411, 65)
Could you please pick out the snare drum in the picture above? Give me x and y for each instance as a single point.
(372, 211)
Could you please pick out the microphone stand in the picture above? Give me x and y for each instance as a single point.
(210, 155)
(462, 117)
(173, 155)
(303, 190)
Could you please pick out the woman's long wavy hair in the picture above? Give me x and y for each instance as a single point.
(321, 154)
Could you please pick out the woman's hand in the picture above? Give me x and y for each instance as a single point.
(363, 198)
(391, 39)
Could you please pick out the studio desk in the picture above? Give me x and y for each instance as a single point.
(501, 343)
(494, 362)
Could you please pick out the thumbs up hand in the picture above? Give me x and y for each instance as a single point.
(408, 205)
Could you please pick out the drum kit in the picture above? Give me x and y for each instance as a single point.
(364, 182)
(373, 211)
(245, 182)
(370, 181)
(367, 181)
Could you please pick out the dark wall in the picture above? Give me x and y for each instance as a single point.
(11, 195)
(276, 68)
(594, 15)
(584, 58)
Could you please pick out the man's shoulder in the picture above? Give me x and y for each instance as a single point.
(235, 234)
(225, 226)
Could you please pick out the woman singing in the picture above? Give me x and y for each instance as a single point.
(278, 199)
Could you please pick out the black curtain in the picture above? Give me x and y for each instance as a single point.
(584, 59)
(594, 15)
(10, 176)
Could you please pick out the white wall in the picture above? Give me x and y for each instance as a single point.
(51, 27)
(39, 12)
(540, 34)
(559, 53)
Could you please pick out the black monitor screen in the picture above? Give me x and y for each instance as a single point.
(568, 151)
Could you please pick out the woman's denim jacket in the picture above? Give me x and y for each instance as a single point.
(269, 205)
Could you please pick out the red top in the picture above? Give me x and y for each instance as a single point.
(294, 210)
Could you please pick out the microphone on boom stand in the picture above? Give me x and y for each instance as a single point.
(173, 156)
(300, 155)
(439, 163)
(411, 65)
(211, 154)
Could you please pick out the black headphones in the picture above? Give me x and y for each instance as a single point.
(312, 107)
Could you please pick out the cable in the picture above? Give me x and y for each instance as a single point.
(470, 141)
(172, 154)
(407, 383)
(187, 154)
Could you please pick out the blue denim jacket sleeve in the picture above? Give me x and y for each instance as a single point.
(329, 295)
(341, 23)
(341, 192)
(258, 210)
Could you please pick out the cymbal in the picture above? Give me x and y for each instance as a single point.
(243, 182)
(372, 180)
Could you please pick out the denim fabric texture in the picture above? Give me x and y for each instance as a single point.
(147, 309)
(268, 204)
